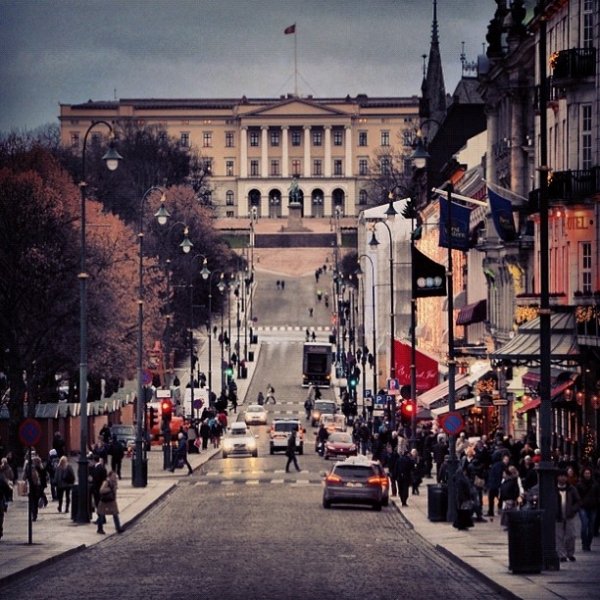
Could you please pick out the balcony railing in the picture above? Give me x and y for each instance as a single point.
(570, 187)
(554, 92)
(573, 64)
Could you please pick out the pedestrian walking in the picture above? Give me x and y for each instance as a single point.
(51, 464)
(568, 505)
(108, 503)
(64, 478)
(98, 473)
(181, 458)
(291, 452)
(464, 499)
(117, 452)
(589, 492)
(204, 433)
(5, 498)
(403, 474)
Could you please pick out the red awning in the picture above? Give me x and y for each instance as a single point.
(533, 403)
(472, 313)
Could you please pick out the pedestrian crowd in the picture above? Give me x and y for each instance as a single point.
(494, 476)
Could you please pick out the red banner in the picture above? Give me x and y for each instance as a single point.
(427, 368)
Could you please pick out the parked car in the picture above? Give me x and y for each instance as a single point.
(339, 443)
(255, 415)
(238, 439)
(280, 432)
(322, 407)
(333, 422)
(125, 434)
(357, 480)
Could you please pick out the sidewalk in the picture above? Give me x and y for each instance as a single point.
(54, 535)
(484, 550)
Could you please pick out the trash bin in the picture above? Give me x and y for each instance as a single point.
(254, 339)
(525, 553)
(243, 372)
(437, 502)
(250, 356)
(74, 502)
(144, 477)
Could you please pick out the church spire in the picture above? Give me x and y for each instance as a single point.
(434, 90)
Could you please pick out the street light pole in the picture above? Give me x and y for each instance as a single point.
(111, 158)
(390, 212)
(139, 471)
(373, 331)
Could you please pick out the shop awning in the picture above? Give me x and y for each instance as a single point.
(532, 378)
(527, 406)
(524, 348)
(472, 313)
(461, 404)
(439, 392)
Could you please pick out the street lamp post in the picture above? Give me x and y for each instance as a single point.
(373, 331)
(390, 213)
(139, 471)
(111, 158)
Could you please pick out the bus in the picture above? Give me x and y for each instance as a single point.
(317, 359)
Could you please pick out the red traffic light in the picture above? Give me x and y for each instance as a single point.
(408, 409)
(166, 409)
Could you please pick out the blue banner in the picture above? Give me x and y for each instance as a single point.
(459, 227)
(502, 216)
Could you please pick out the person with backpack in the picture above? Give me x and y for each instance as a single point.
(64, 478)
(181, 458)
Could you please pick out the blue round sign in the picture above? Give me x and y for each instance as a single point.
(30, 432)
(453, 423)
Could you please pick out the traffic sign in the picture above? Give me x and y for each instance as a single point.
(452, 423)
(146, 377)
(30, 432)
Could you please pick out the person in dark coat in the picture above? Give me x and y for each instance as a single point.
(439, 450)
(181, 454)
(5, 498)
(117, 452)
(464, 499)
(64, 478)
(98, 474)
(500, 462)
(403, 472)
(568, 504)
(392, 466)
(589, 492)
(290, 452)
(205, 433)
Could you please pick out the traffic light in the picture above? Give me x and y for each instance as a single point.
(352, 381)
(408, 409)
(166, 408)
(152, 417)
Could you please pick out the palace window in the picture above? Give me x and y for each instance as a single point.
(338, 137)
(317, 168)
(207, 139)
(317, 137)
(229, 198)
(254, 138)
(229, 139)
(275, 168)
(337, 167)
(385, 138)
(362, 138)
(296, 168)
(229, 168)
(363, 166)
(184, 139)
(254, 170)
(296, 137)
(275, 137)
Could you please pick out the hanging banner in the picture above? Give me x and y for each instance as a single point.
(461, 216)
(428, 277)
(502, 215)
(427, 368)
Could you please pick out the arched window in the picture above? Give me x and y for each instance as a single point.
(362, 197)
(229, 198)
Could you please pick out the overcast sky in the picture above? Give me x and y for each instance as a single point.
(69, 51)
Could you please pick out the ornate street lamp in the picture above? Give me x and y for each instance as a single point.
(111, 158)
(139, 465)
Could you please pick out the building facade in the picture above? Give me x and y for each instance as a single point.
(257, 150)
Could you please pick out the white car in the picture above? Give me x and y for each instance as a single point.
(255, 415)
(239, 440)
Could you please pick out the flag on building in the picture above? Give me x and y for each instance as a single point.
(502, 215)
(427, 368)
(460, 219)
(428, 277)
(290, 29)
